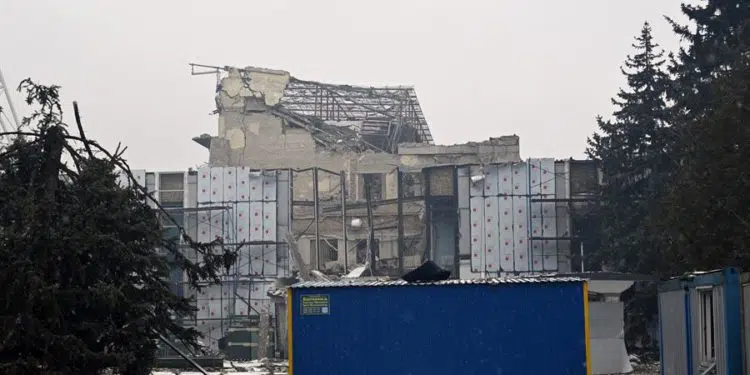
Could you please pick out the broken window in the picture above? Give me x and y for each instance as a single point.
(362, 253)
(413, 182)
(373, 181)
(329, 250)
(706, 313)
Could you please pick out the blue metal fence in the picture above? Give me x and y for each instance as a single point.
(700, 317)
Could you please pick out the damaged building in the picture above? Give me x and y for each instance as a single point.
(342, 141)
(352, 176)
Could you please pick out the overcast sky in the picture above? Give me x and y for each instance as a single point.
(539, 69)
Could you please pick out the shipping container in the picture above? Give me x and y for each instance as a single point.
(453, 327)
(700, 316)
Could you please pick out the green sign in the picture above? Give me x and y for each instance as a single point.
(316, 305)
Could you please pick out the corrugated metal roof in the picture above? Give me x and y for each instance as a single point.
(395, 283)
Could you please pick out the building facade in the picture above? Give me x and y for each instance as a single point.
(351, 176)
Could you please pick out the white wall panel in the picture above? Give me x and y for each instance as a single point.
(243, 260)
(204, 185)
(140, 176)
(534, 176)
(203, 312)
(505, 179)
(204, 227)
(549, 229)
(548, 177)
(520, 236)
(269, 234)
(243, 184)
(491, 235)
(230, 227)
(537, 255)
(123, 180)
(490, 180)
(259, 289)
(242, 221)
(269, 185)
(256, 221)
(241, 304)
(256, 186)
(217, 185)
(475, 189)
(217, 224)
(520, 179)
(476, 204)
(505, 218)
(230, 184)
(270, 267)
(256, 260)
(535, 213)
(269, 221)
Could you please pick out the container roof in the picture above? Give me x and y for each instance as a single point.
(397, 283)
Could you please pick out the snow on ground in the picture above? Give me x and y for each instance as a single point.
(234, 368)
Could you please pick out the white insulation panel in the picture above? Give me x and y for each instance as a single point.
(269, 186)
(491, 235)
(256, 260)
(476, 188)
(216, 224)
(230, 184)
(520, 237)
(204, 226)
(140, 176)
(490, 180)
(547, 179)
(243, 184)
(504, 179)
(242, 221)
(256, 221)
(505, 215)
(204, 185)
(476, 204)
(217, 185)
(256, 186)
(269, 221)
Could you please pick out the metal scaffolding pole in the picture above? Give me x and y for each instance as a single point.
(343, 221)
(400, 214)
(371, 225)
(316, 214)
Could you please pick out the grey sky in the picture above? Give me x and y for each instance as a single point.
(539, 69)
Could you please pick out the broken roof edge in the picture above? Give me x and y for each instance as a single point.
(256, 69)
(503, 140)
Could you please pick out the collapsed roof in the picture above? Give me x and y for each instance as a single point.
(353, 117)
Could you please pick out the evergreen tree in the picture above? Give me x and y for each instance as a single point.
(630, 150)
(703, 215)
(84, 288)
(708, 209)
(714, 35)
